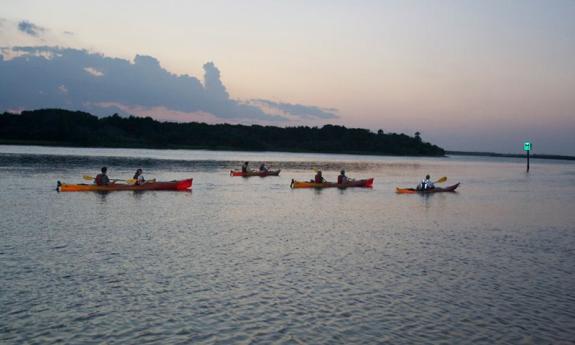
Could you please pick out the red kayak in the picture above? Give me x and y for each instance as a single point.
(171, 185)
(255, 173)
(427, 191)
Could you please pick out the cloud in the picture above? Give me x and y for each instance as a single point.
(30, 28)
(299, 110)
(63, 89)
(212, 82)
(25, 33)
(36, 77)
(93, 71)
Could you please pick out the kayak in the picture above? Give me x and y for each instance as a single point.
(255, 173)
(429, 191)
(367, 183)
(171, 185)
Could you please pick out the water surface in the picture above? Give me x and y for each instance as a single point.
(251, 261)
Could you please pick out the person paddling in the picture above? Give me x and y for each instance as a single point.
(245, 167)
(318, 178)
(139, 177)
(102, 179)
(342, 178)
(263, 167)
(426, 184)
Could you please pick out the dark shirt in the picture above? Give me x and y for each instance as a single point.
(318, 178)
(102, 179)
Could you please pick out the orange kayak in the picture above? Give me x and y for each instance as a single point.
(428, 191)
(171, 185)
(255, 173)
(367, 183)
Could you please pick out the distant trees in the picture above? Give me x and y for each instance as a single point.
(63, 127)
(418, 136)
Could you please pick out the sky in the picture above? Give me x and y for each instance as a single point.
(469, 75)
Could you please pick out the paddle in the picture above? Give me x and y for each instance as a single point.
(130, 181)
(441, 180)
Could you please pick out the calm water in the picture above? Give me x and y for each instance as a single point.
(249, 261)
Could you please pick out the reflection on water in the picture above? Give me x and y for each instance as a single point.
(253, 261)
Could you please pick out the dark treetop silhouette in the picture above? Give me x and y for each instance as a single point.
(63, 127)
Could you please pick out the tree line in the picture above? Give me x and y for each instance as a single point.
(76, 128)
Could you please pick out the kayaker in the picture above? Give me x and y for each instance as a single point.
(263, 167)
(139, 177)
(318, 178)
(245, 167)
(426, 184)
(342, 178)
(102, 179)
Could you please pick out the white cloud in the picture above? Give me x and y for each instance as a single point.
(94, 72)
(63, 89)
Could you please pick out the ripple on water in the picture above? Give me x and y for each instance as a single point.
(251, 261)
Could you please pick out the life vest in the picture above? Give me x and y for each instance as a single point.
(98, 180)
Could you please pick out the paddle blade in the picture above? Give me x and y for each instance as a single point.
(443, 179)
(86, 177)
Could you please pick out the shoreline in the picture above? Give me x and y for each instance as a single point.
(510, 155)
(224, 149)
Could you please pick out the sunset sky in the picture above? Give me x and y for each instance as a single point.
(469, 75)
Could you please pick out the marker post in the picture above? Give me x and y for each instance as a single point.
(527, 148)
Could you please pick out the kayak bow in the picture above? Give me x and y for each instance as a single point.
(367, 183)
(171, 185)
